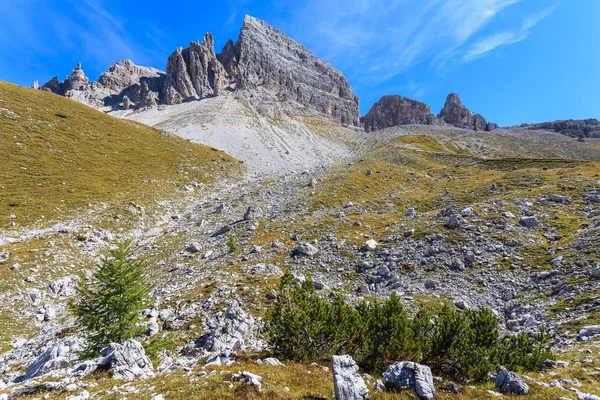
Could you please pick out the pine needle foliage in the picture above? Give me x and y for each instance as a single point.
(109, 306)
(463, 345)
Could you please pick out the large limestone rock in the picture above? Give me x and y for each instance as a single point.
(510, 383)
(456, 114)
(397, 110)
(194, 72)
(127, 361)
(347, 382)
(235, 331)
(413, 376)
(57, 356)
(125, 74)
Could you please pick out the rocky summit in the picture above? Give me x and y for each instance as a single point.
(397, 110)
(456, 114)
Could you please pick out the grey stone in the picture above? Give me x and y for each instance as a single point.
(305, 249)
(249, 379)
(413, 376)
(347, 382)
(510, 383)
(589, 331)
(529, 222)
(65, 287)
(127, 361)
(236, 331)
(57, 356)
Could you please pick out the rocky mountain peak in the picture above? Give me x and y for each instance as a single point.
(397, 110)
(456, 114)
(269, 58)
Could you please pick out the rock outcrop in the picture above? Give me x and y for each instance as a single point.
(127, 361)
(194, 73)
(57, 356)
(76, 81)
(577, 128)
(456, 114)
(397, 110)
(510, 383)
(413, 376)
(267, 57)
(347, 382)
(235, 331)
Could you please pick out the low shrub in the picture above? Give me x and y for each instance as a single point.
(303, 326)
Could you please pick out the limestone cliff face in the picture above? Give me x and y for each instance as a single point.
(267, 57)
(456, 114)
(194, 73)
(397, 110)
(577, 128)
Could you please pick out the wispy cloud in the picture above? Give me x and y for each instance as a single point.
(381, 40)
(491, 42)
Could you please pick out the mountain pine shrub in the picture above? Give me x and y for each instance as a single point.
(302, 326)
(109, 306)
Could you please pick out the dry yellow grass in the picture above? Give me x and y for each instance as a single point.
(57, 156)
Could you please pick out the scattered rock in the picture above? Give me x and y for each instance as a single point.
(65, 287)
(529, 222)
(273, 362)
(249, 379)
(236, 331)
(588, 331)
(57, 356)
(370, 245)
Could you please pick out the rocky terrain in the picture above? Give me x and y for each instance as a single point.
(438, 210)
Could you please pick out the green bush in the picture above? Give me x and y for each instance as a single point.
(109, 306)
(303, 326)
(458, 344)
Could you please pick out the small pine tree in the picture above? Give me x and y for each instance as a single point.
(109, 306)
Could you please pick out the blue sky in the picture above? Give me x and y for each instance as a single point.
(513, 61)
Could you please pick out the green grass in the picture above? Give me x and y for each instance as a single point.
(57, 156)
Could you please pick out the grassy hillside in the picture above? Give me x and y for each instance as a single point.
(57, 156)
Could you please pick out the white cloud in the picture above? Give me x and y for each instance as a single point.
(377, 40)
(491, 42)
